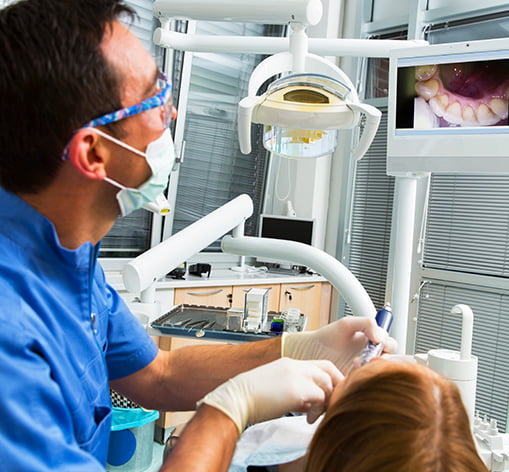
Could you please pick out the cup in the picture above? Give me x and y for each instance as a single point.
(292, 320)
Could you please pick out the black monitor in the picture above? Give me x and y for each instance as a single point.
(287, 227)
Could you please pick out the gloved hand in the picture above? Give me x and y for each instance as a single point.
(274, 389)
(340, 342)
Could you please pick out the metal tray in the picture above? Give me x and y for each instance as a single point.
(207, 322)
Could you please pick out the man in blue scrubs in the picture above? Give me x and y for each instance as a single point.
(83, 139)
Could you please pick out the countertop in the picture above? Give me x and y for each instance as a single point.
(220, 277)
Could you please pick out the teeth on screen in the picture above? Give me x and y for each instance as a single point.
(438, 104)
(427, 89)
(486, 111)
(453, 114)
(469, 118)
(485, 116)
(499, 107)
(425, 72)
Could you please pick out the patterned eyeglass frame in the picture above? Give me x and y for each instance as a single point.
(158, 100)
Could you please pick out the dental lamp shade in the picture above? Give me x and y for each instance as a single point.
(302, 114)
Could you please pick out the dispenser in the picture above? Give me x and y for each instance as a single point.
(458, 366)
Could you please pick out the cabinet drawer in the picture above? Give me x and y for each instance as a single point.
(305, 296)
(207, 296)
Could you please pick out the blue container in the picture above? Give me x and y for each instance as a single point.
(131, 439)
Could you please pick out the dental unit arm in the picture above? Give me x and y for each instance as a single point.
(141, 274)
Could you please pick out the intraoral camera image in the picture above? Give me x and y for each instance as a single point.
(468, 94)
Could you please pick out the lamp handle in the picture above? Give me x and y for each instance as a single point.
(373, 116)
(244, 119)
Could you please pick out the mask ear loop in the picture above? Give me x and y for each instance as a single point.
(117, 141)
(114, 183)
(122, 144)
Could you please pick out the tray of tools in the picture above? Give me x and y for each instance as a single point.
(206, 322)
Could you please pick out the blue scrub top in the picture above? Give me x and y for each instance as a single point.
(64, 332)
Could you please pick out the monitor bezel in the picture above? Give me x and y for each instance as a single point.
(475, 149)
(292, 218)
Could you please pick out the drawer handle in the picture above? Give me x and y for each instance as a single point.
(208, 292)
(307, 287)
(247, 289)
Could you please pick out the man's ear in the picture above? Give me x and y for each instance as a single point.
(87, 155)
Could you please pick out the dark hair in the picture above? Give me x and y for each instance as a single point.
(395, 417)
(54, 79)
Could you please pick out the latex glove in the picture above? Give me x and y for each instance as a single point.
(340, 342)
(275, 389)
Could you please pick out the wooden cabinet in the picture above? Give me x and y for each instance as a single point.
(313, 299)
(225, 296)
(207, 296)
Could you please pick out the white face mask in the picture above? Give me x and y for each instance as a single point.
(160, 156)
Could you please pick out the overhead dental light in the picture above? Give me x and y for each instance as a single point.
(302, 112)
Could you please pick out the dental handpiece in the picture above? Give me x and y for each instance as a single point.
(383, 319)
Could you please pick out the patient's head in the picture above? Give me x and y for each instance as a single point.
(394, 417)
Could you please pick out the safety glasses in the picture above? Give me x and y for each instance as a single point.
(161, 99)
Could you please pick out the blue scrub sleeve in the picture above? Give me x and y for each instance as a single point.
(130, 348)
(37, 426)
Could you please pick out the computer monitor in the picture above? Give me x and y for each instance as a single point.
(287, 227)
(448, 108)
(301, 230)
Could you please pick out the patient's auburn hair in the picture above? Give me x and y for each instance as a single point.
(395, 417)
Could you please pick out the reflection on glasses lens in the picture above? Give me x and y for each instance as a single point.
(160, 84)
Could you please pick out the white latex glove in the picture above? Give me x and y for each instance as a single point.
(339, 342)
(275, 389)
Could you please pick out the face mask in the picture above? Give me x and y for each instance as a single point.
(160, 156)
